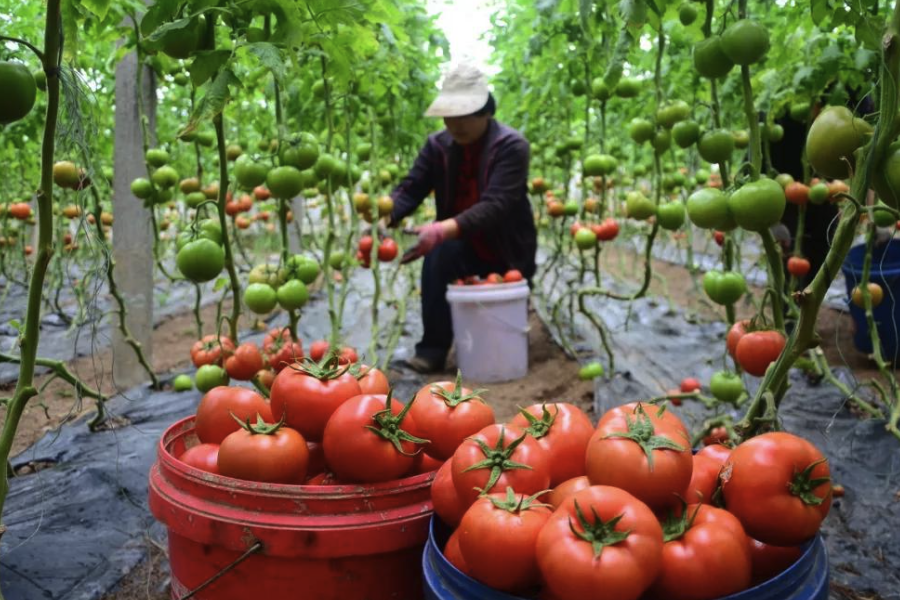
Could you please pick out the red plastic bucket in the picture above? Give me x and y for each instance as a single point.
(347, 542)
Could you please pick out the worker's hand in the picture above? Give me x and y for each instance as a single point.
(430, 236)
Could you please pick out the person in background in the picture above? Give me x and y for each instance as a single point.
(478, 171)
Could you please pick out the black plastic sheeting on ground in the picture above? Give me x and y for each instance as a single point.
(77, 528)
(655, 348)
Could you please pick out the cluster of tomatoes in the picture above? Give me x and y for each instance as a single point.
(631, 512)
(387, 250)
(511, 276)
(588, 236)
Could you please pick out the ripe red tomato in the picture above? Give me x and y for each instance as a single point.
(718, 435)
(758, 349)
(797, 193)
(563, 431)
(365, 245)
(357, 453)
(798, 267)
(214, 421)
(447, 413)
(265, 377)
(656, 414)
(704, 479)
(769, 561)
(261, 193)
(497, 539)
(318, 349)
(202, 456)
(737, 331)
(497, 457)
(387, 250)
(447, 503)
(423, 463)
(307, 396)
(706, 556)
(324, 478)
(626, 560)
(689, 384)
(512, 276)
(348, 356)
(493, 278)
(211, 350)
(453, 554)
(372, 380)
(717, 452)
(316, 464)
(246, 361)
(779, 486)
(266, 453)
(641, 454)
(280, 349)
(719, 236)
(567, 489)
(608, 230)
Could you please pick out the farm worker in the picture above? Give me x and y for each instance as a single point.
(478, 170)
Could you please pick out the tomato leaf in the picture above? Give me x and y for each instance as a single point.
(206, 64)
(160, 32)
(70, 29)
(270, 57)
(97, 7)
(585, 8)
(214, 100)
(220, 284)
(819, 10)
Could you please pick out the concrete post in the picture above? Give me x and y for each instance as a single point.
(132, 229)
(295, 244)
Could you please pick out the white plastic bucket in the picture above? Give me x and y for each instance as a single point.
(490, 326)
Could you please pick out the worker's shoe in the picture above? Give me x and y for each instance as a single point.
(420, 364)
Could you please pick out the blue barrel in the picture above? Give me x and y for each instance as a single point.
(807, 579)
(886, 273)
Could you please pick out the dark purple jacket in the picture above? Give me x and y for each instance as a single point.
(502, 214)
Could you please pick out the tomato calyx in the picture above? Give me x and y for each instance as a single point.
(678, 523)
(516, 504)
(497, 459)
(327, 369)
(538, 428)
(599, 534)
(643, 432)
(456, 397)
(388, 427)
(803, 485)
(260, 427)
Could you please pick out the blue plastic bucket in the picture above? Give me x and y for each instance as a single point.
(886, 273)
(806, 579)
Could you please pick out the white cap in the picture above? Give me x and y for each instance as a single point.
(463, 92)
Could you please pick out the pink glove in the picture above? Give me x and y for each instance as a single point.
(430, 236)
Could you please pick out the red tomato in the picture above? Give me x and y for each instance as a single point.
(280, 349)
(758, 349)
(423, 463)
(608, 231)
(737, 331)
(387, 250)
(779, 486)
(718, 435)
(210, 350)
(472, 280)
(641, 454)
(566, 490)
(797, 193)
(279, 455)
(704, 479)
(563, 431)
(624, 529)
(214, 421)
(318, 349)
(689, 384)
(512, 276)
(316, 458)
(447, 413)
(797, 266)
(372, 380)
(656, 414)
(673, 397)
(265, 377)
(497, 538)
(447, 503)
(497, 457)
(706, 556)
(326, 478)
(718, 452)
(261, 193)
(348, 355)
(365, 245)
(769, 561)
(357, 453)
(493, 278)
(719, 237)
(203, 457)
(453, 554)
(307, 396)
(245, 362)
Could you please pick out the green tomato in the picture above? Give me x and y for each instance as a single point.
(724, 288)
(833, 138)
(578, 88)
(741, 139)
(157, 157)
(599, 90)
(200, 260)
(686, 133)
(638, 206)
(641, 130)
(590, 371)
(784, 179)
(284, 182)
(268, 274)
(726, 386)
(183, 383)
(670, 215)
(628, 88)
(305, 268)
(195, 199)
(260, 298)
(662, 141)
(599, 164)
(886, 180)
(142, 188)
(210, 376)
(883, 218)
(775, 132)
(363, 151)
(745, 42)
(292, 295)
(165, 177)
(206, 138)
(710, 59)
(211, 230)
(570, 208)
(716, 146)
(325, 166)
(687, 14)
(673, 112)
(248, 173)
(336, 260)
(758, 205)
(585, 239)
(799, 111)
(818, 194)
(708, 208)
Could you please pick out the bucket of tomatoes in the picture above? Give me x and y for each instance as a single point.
(644, 518)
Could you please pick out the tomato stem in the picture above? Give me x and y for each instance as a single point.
(498, 459)
(598, 533)
(642, 431)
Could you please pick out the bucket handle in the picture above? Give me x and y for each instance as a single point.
(515, 328)
(249, 552)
